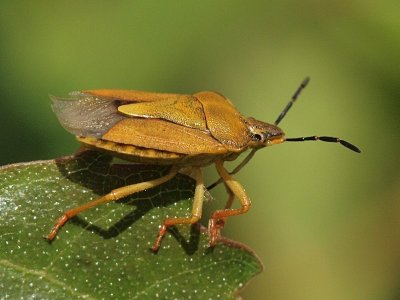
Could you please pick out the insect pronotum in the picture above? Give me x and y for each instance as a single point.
(183, 131)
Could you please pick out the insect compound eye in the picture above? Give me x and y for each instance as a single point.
(258, 137)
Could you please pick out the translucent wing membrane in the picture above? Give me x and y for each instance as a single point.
(86, 115)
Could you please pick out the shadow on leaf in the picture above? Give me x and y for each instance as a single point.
(98, 173)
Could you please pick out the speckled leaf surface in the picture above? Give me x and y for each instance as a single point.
(104, 253)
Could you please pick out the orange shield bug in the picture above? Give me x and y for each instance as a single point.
(183, 131)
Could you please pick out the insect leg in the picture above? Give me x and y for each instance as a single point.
(220, 216)
(114, 195)
(231, 197)
(237, 169)
(219, 224)
(196, 210)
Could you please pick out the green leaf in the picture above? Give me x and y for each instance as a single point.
(104, 252)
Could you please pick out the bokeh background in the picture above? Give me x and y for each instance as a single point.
(325, 220)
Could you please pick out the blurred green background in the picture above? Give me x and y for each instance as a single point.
(325, 221)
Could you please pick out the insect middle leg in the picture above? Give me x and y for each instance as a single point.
(196, 210)
(219, 217)
(114, 195)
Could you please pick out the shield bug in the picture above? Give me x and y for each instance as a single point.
(183, 131)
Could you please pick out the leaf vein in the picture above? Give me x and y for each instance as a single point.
(44, 275)
(169, 278)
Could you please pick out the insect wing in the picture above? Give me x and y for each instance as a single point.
(163, 135)
(131, 95)
(85, 115)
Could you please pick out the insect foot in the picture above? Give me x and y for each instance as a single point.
(157, 243)
(214, 230)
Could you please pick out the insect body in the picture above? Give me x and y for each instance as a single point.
(184, 131)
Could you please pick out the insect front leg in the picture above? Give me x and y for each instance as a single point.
(219, 217)
(114, 195)
(219, 224)
(196, 210)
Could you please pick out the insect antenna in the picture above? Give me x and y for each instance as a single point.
(328, 139)
(292, 100)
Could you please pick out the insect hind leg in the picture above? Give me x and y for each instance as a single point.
(114, 195)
